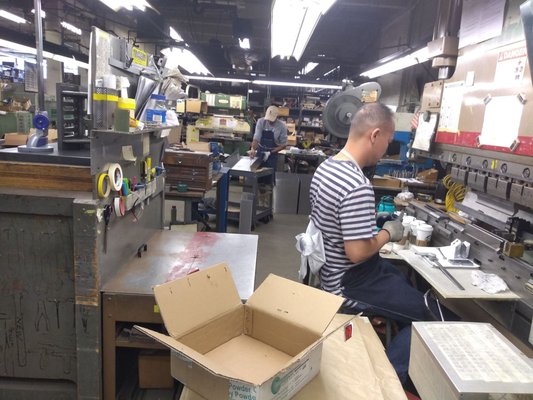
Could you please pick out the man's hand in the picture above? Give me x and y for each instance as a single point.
(395, 229)
(252, 153)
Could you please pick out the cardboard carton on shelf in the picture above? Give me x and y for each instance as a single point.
(192, 105)
(154, 370)
(292, 140)
(283, 111)
(268, 348)
(385, 181)
(18, 139)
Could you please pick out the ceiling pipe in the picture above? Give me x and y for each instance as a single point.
(445, 44)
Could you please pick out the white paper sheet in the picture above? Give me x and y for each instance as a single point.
(501, 121)
(480, 20)
(450, 111)
(424, 132)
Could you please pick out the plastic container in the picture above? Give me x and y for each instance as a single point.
(386, 204)
(127, 104)
(156, 110)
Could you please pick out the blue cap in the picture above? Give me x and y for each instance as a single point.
(158, 97)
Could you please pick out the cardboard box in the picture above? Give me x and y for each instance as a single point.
(283, 111)
(366, 372)
(18, 139)
(193, 106)
(466, 360)
(174, 135)
(386, 182)
(154, 370)
(266, 349)
(291, 140)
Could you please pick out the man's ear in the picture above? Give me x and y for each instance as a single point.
(374, 135)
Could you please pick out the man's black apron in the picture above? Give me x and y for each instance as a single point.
(267, 144)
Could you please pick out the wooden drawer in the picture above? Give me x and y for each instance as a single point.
(187, 159)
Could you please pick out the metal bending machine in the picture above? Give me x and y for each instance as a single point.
(477, 120)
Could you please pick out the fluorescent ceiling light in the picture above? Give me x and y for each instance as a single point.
(215, 78)
(43, 14)
(12, 17)
(308, 68)
(244, 43)
(414, 58)
(30, 50)
(293, 22)
(296, 84)
(175, 35)
(70, 27)
(332, 70)
(184, 58)
(116, 5)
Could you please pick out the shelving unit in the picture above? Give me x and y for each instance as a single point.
(71, 107)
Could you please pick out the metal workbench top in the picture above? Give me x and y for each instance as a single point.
(67, 157)
(172, 254)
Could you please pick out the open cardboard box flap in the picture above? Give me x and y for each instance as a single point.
(295, 303)
(196, 299)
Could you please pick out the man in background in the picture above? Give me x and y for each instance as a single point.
(270, 138)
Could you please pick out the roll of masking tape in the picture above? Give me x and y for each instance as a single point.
(103, 186)
(120, 206)
(115, 176)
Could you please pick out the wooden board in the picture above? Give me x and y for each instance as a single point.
(45, 176)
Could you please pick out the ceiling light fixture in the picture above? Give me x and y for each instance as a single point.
(296, 84)
(244, 43)
(184, 58)
(43, 14)
(293, 23)
(332, 70)
(70, 27)
(308, 68)
(215, 78)
(116, 5)
(12, 17)
(30, 50)
(175, 35)
(417, 57)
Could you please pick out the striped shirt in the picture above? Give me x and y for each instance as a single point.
(343, 208)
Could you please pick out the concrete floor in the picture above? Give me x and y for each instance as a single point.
(276, 251)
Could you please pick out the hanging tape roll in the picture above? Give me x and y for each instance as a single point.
(115, 176)
(144, 169)
(103, 186)
(119, 206)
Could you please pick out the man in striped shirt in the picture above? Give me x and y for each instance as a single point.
(343, 209)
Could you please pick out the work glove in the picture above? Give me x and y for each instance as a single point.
(383, 217)
(395, 229)
(266, 154)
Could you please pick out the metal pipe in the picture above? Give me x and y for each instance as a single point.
(448, 18)
(39, 48)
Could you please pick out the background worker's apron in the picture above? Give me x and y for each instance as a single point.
(268, 143)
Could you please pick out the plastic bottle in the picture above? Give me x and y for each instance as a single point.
(156, 111)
